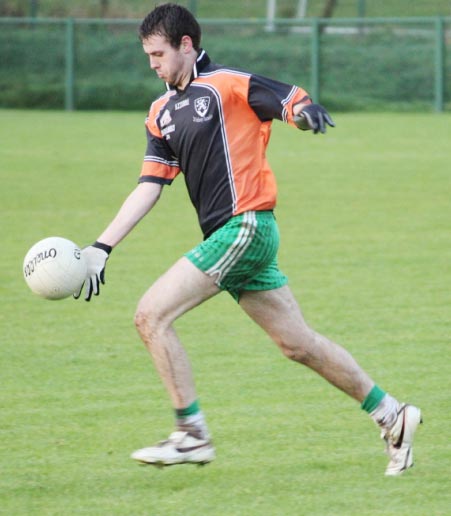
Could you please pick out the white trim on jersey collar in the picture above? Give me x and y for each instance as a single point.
(199, 57)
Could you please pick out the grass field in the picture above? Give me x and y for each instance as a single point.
(365, 218)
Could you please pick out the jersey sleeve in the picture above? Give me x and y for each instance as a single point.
(272, 99)
(160, 165)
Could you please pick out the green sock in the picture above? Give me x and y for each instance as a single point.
(374, 397)
(191, 410)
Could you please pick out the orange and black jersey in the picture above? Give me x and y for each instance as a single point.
(216, 132)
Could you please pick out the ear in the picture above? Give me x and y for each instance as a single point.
(186, 44)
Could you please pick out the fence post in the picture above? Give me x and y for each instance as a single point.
(33, 8)
(314, 60)
(361, 9)
(69, 103)
(192, 6)
(439, 63)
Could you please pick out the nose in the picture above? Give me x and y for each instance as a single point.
(153, 63)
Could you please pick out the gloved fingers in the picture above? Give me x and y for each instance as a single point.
(317, 118)
(96, 259)
(328, 119)
(320, 125)
(310, 121)
(95, 282)
(89, 289)
(77, 294)
(102, 276)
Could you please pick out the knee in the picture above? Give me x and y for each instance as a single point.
(299, 349)
(147, 319)
(141, 320)
(295, 353)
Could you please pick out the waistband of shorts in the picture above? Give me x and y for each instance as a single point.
(258, 213)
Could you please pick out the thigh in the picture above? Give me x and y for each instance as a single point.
(276, 311)
(177, 291)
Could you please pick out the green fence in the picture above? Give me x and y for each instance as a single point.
(228, 9)
(347, 64)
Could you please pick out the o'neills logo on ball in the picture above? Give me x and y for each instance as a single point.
(77, 254)
(30, 267)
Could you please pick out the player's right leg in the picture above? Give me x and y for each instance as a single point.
(225, 260)
(176, 292)
(179, 290)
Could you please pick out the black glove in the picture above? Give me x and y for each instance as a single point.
(314, 117)
(96, 256)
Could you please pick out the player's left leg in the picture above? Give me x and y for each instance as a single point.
(278, 313)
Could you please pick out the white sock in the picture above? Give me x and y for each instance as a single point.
(194, 424)
(386, 412)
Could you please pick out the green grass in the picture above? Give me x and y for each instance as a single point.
(365, 218)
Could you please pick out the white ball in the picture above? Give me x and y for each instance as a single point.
(54, 268)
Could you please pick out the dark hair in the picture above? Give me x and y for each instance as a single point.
(173, 22)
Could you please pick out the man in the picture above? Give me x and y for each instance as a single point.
(213, 125)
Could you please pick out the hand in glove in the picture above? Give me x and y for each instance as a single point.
(314, 117)
(96, 256)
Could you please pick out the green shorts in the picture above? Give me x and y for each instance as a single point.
(242, 254)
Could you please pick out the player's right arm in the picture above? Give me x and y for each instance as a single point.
(141, 200)
(159, 168)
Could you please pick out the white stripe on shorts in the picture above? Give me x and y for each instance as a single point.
(237, 249)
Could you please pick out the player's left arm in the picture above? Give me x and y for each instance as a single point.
(272, 99)
(311, 117)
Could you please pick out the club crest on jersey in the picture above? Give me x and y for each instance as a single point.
(201, 106)
(165, 118)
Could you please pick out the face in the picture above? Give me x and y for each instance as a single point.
(170, 64)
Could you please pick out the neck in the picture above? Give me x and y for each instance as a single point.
(185, 75)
